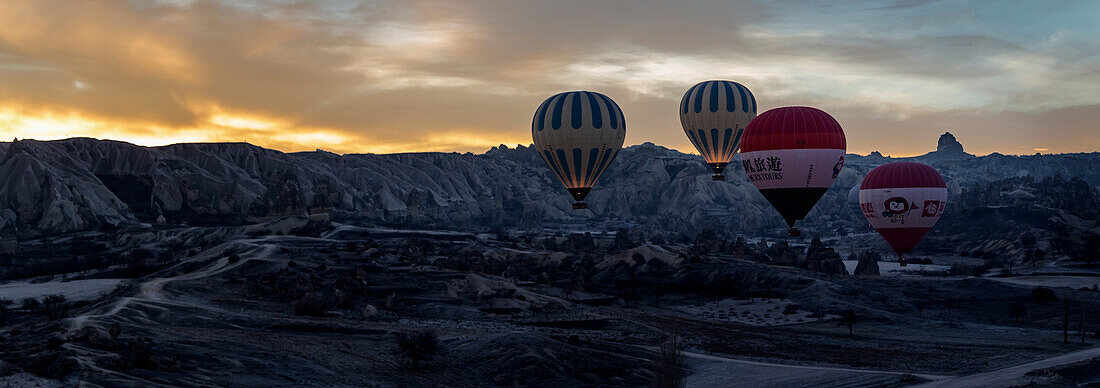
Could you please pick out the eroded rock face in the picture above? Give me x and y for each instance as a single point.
(868, 266)
(79, 184)
(824, 259)
(948, 144)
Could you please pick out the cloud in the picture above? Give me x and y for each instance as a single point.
(381, 76)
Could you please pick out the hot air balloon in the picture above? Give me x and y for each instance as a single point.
(578, 134)
(792, 155)
(714, 115)
(902, 201)
(853, 200)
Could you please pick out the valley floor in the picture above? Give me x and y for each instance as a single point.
(282, 310)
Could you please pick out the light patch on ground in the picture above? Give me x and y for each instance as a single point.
(712, 371)
(72, 290)
(895, 268)
(1074, 282)
(758, 312)
(27, 380)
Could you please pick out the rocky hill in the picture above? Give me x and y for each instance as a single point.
(78, 184)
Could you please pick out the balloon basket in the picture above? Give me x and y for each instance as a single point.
(902, 261)
(580, 205)
(717, 177)
(794, 232)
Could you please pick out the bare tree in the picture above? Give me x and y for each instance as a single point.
(55, 305)
(1065, 321)
(849, 318)
(1084, 318)
(669, 370)
(1017, 310)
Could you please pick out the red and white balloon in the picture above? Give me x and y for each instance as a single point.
(902, 201)
(792, 155)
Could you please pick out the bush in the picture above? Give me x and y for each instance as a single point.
(418, 346)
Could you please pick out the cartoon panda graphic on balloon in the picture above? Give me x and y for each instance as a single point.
(897, 208)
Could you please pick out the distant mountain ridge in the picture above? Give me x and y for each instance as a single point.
(79, 184)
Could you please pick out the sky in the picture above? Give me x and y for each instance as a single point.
(1014, 77)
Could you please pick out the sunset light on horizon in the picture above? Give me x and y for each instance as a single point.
(387, 77)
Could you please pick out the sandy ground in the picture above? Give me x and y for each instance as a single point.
(759, 312)
(72, 290)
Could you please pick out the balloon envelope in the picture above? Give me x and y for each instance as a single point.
(853, 199)
(578, 134)
(792, 155)
(902, 201)
(714, 115)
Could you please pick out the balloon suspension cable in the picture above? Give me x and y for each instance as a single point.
(580, 205)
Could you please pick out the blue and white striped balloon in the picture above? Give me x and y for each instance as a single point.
(578, 134)
(714, 115)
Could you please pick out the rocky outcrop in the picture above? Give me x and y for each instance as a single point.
(947, 144)
(867, 266)
(823, 259)
(79, 184)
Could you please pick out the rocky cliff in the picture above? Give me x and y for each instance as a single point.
(78, 184)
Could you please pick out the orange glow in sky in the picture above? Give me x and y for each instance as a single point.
(382, 77)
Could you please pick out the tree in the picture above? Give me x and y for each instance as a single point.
(4, 303)
(1065, 321)
(1017, 310)
(668, 367)
(30, 304)
(1091, 249)
(55, 305)
(849, 318)
(1029, 241)
(418, 346)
